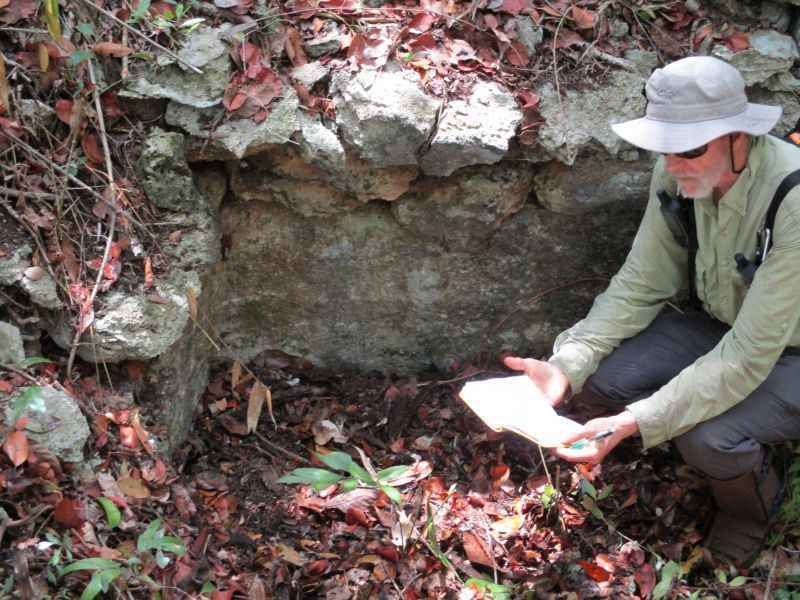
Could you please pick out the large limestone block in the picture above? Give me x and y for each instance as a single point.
(206, 50)
(238, 138)
(164, 173)
(474, 131)
(384, 115)
(770, 53)
(405, 285)
(55, 421)
(584, 118)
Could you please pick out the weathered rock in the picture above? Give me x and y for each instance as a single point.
(618, 28)
(367, 182)
(325, 42)
(385, 115)
(320, 146)
(12, 268)
(310, 73)
(12, 350)
(205, 50)
(473, 131)
(211, 180)
(238, 138)
(591, 182)
(789, 102)
(770, 53)
(583, 119)
(55, 422)
(529, 33)
(467, 209)
(360, 289)
(42, 290)
(164, 173)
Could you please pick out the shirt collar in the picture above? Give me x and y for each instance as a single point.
(735, 198)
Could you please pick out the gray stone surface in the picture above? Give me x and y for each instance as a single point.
(774, 15)
(310, 73)
(473, 131)
(12, 350)
(42, 291)
(164, 173)
(12, 268)
(320, 146)
(583, 119)
(770, 53)
(412, 283)
(385, 115)
(593, 181)
(55, 422)
(529, 33)
(206, 50)
(238, 138)
(325, 42)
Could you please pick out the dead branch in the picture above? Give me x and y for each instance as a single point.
(22, 194)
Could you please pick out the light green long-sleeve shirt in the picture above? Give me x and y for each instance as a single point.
(765, 317)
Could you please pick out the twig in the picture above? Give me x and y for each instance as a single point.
(283, 451)
(72, 178)
(555, 63)
(143, 36)
(113, 219)
(617, 61)
(16, 371)
(22, 194)
(21, 71)
(454, 380)
(767, 590)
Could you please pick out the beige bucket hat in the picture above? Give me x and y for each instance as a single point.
(693, 101)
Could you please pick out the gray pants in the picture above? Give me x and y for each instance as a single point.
(728, 445)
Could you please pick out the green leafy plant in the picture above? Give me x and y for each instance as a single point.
(104, 571)
(591, 497)
(498, 591)
(319, 479)
(669, 572)
(30, 399)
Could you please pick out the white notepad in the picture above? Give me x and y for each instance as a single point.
(516, 404)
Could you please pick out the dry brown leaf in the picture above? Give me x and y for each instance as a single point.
(508, 525)
(148, 273)
(44, 57)
(233, 426)
(112, 49)
(290, 555)
(133, 488)
(70, 513)
(191, 297)
(255, 403)
(477, 549)
(3, 84)
(16, 447)
(236, 374)
(91, 148)
(583, 18)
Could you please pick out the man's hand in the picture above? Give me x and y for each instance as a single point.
(623, 425)
(548, 378)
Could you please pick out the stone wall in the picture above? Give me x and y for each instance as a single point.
(403, 234)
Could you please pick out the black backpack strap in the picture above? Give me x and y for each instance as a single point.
(786, 186)
(694, 301)
(678, 212)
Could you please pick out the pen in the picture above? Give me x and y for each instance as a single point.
(582, 443)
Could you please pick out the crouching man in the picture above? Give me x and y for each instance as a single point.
(721, 381)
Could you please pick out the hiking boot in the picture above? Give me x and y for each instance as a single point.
(747, 506)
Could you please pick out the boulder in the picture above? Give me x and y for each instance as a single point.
(42, 290)
(310, 73)
(204, 49)
(320, 145)
(324, 42)
(770, 53)
(384, 115)
(55, 421)
(583, 119)
(164, 173)
(12, 268)
(474, 131)
(237, 138)
(772, 15)
(12, 350)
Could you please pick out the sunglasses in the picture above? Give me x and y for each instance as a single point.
(691, 154)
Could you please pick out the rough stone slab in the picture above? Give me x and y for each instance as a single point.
(320, 146)
(385, 115)
(42, 291)
(326, 42)
(164, 173)
(239, 138)
(474, 131)
(207, 52)
(592, 182)
(12, 268)
(12, 350)
(310, 73)
(59, 426)
(583, 119)
(770, 53)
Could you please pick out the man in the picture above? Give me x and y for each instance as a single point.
(722, 382)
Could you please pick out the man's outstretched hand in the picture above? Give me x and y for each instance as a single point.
(548, 378)
(623, 425)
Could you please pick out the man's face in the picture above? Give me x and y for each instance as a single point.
(697, 177)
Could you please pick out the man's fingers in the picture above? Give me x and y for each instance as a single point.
(588, 454)
(577, 436)
(515, 362)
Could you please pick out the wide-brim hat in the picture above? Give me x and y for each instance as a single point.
(693, 101)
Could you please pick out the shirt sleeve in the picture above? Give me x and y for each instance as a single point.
(746, 354)
(654, 271)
